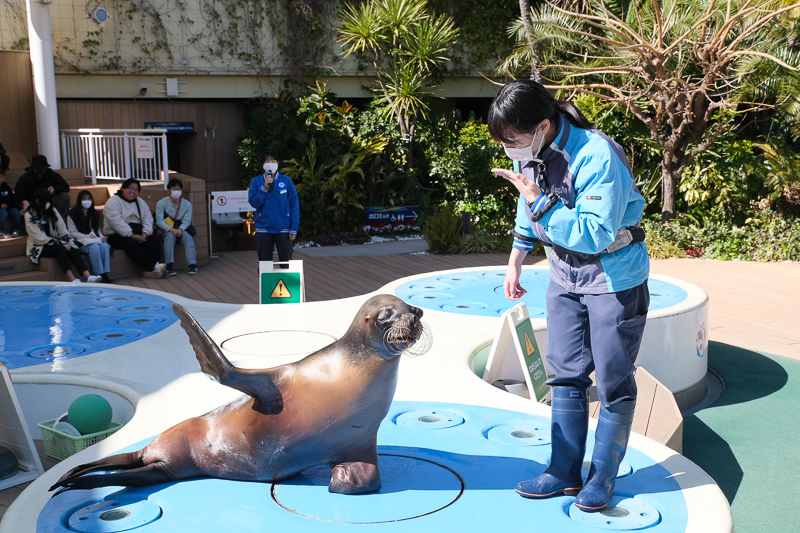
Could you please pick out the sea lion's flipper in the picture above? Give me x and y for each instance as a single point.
(357, 477)
(122, 461)
(151, 474)
(259, 384)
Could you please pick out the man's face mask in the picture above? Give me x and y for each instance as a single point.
(175, 193)
(271, 168)
(40, 171)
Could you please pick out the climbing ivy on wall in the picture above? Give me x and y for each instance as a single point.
(289, 38)
(483, 36)
(294, 39)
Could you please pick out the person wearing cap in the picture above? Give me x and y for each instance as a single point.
(40, 175)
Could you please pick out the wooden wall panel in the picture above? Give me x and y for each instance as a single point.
(17, 108)
(208, 154)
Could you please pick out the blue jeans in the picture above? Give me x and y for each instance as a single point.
(99, 257)
(188, 246)
(16, 219)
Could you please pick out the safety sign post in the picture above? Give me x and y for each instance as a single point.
(514, 345)
(278, 285)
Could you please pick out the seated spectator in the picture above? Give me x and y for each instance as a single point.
(174, 219)
(39, 174)
(5, 161)
(129, 227)
(8, 208)
(83, 223)
(48, 237)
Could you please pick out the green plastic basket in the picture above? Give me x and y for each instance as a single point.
(59, 446)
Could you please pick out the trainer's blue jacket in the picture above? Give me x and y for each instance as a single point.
(278, 210)
(597, 197)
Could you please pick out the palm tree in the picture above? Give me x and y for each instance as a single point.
(405, 46)
(675, 64)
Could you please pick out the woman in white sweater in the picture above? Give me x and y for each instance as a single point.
(129, 227)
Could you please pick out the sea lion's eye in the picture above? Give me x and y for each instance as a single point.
(384, 315)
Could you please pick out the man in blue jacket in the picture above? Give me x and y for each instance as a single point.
(277, 210)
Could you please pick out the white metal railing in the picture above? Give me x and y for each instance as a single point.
(116, 154)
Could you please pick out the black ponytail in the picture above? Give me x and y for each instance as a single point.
(521, 105)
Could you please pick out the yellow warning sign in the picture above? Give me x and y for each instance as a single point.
(529, 349)
(281, 291)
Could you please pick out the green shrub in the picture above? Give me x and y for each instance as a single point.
(442, 230)
(764, 237)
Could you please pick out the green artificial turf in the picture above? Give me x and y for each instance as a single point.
(749, 439)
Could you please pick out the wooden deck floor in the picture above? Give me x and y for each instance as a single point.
(233, 277)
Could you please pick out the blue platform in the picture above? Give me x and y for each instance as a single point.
(480, 292)
(48, 323)
(444, 468)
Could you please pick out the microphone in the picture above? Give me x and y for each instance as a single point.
(271, 183)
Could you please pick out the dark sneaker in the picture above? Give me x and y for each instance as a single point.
(15, 233)
(170, 271)
(192, 270)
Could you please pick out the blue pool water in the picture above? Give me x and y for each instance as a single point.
(480, 292)
(444, 467)
(48, 323)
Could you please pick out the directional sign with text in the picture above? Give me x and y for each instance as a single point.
(407, 215)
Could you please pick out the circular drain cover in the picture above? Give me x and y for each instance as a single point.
(410, 488)
(520, 434)
(141, 320)
(114, 334)
(429, 419)
(81, 292)
(457, 277)
(422, 296)
(143, 307)
(56, 350)
(622, 514)
(463, 307)
(120, 298)
(112, 516)
(430, 287)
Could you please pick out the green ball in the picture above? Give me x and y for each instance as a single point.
(89, 413)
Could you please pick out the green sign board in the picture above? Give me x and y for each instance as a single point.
(532, 359)
(281, 288)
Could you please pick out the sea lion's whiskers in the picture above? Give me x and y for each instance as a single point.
(404, 338)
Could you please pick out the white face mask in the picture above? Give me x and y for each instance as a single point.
(86, 204)
(175, 194)
(271, 168)
(525, 154)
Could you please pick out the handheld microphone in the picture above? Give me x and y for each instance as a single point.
(271, 183)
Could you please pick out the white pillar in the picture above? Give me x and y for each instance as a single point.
(44, 79)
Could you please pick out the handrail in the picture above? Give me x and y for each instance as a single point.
(117, 153)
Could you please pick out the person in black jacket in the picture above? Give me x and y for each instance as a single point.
(40, 175)
(5, 161)
(8, 208)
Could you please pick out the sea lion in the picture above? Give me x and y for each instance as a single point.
(323, 409)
